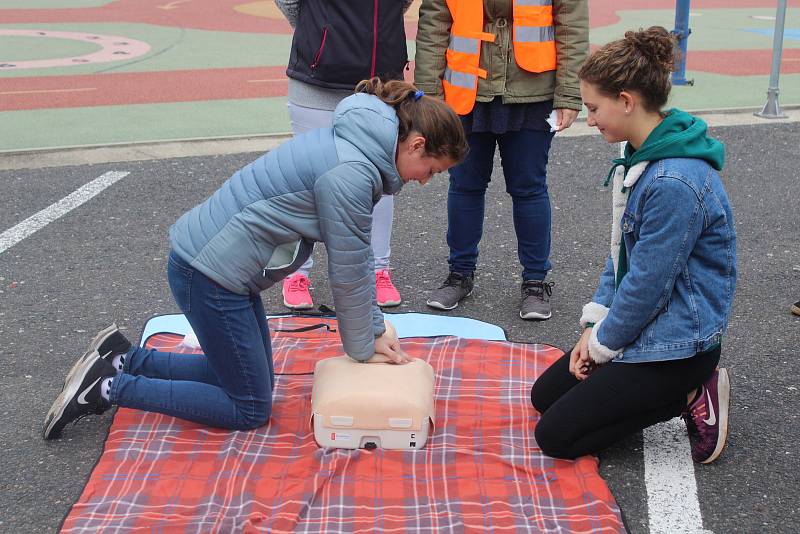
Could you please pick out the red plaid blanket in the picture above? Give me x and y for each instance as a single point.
(480, 471)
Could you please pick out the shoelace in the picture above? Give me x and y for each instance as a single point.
(453, 280)
(696, 413)
(382, 280)
(298, 283)
(538, 289)
(691, 427)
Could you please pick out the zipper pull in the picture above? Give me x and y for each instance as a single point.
(318, 56)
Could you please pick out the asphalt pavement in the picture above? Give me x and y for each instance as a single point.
(105, 261)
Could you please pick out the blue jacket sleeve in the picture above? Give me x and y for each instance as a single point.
(343, 198)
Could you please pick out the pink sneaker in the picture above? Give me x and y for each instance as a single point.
(295, 292)
(387, 294)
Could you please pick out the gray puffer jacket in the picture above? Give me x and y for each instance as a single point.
(261, 225)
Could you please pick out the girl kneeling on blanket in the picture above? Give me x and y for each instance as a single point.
(653, 331)
(258, 228)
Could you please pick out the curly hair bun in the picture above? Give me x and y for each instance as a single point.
(642, 61)
(656, 43)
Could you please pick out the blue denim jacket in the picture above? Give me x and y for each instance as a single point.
(675, 300)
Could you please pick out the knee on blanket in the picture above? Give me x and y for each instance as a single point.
(553, 440)
(540, 399)
(252, 415)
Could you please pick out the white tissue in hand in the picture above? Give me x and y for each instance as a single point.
(552, 120)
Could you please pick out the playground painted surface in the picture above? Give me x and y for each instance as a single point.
(102, 72)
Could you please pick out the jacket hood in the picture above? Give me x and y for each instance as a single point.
(679, 135)
(371, 126)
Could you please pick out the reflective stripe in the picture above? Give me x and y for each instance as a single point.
(533, 2)
(535, 34)
(466, 45)
(460, 79)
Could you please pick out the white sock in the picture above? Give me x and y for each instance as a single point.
(105, 388)
(118, 362)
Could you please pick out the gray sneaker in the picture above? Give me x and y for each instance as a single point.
(449, 294)
(108, 343)
(536, 300)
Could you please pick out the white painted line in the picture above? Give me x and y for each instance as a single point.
(36, 222)
(46, 91)
(714, 119)
(672, 504)
(145, 151)
(59, 156)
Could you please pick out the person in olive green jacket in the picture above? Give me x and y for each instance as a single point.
(511, 109)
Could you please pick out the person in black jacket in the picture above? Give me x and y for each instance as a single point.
(336, 44)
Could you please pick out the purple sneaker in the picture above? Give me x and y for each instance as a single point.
(707, 418)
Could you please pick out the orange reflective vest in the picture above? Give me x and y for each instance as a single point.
(534, 46)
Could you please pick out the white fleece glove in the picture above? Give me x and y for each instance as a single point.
(593, 313)
(598, 352)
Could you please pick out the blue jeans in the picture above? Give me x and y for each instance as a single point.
(230, 385)
(524, 156)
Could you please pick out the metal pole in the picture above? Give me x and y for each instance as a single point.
(681, 33)
(772, 110)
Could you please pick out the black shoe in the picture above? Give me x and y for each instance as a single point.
(457, 286)
(535, 303)
(80, 396)
(108, 343)
(796, 308)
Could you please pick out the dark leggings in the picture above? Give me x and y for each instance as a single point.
(616, 400)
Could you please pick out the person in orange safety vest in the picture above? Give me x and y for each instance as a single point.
(509, 68)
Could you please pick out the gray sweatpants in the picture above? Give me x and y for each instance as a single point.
(304, 119)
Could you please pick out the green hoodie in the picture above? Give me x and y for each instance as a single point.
(679, 135)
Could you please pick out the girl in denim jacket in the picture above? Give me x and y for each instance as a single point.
(653, 331)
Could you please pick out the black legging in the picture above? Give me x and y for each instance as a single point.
(616, 400)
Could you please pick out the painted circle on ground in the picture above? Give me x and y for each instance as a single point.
(265, 9)
(112, 48)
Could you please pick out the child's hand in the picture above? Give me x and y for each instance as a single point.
(387, 349)
(580, 363)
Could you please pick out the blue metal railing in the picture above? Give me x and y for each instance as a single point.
(772, 110)
(681, 33)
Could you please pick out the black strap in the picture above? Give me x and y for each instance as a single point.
(308, 328)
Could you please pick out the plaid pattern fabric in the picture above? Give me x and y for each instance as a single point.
(481, 470)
